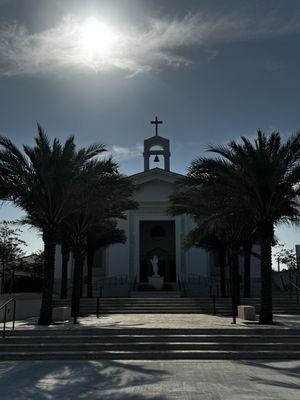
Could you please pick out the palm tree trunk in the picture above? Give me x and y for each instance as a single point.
(266, 306)
(90, 262)
(49, 262)
(233, 262)
(222, 263)
(65, 252)
(247, 247)
(78, 267)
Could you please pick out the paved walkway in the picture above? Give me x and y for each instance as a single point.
(160, 321)
(153, 380)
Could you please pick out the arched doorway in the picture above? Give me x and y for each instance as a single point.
(157, 238)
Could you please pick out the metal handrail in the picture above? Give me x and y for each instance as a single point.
(295, 286)
(214, 305)
(13, 299)
(179, 283)
(133, 284)
(182, 286)
(297, 290)
(112, 280)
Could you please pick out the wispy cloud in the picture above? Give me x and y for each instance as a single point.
(159, 44)
(126, 153)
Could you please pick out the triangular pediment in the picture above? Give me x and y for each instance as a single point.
(156, 174)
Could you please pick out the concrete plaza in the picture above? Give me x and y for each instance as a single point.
(155, 380)
(160, 321)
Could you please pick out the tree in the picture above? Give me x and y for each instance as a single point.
(65, 256)
(100, 195)
(11, 250)
(247, 250)
(263, 180)
(40, 181)
(287, 257)
(34, 264)
(217, 214)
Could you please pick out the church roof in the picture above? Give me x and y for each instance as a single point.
(156, 174)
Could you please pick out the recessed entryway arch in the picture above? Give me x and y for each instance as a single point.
(157, 238)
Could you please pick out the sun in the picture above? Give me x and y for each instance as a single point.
(96, 38)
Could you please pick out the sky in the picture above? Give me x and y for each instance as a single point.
(101, 70)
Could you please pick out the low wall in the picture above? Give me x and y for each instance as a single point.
(27, 305)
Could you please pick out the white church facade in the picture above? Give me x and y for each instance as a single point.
(151, 232)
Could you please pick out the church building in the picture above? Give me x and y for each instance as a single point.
(154, 254)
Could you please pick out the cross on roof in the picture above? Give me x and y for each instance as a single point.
(156, 122)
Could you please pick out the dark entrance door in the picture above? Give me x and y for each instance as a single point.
(157, 238)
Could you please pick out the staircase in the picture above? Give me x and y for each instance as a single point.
(282, 304)
(150, 305)
(152, 344)
(155, 294)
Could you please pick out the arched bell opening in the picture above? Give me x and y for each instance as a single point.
(156, 153)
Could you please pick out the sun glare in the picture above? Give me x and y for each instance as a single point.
(96, 38)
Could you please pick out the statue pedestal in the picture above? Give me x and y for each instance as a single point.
(156, 281)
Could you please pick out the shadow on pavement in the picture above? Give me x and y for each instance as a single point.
(86, 380)
(288, 376)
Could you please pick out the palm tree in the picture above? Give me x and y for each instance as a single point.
(247, 250)
(211, 206)
(100, 196)
(40, 181)
(65, 257)
(263, 179)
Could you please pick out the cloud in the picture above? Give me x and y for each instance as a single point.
(161, 43)
(126, 153)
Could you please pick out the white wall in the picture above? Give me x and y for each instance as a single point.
(255, 263)
(157, 191)
(118, 254)
(57, 270)
(198, 261)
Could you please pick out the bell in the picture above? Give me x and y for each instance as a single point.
(156, 159)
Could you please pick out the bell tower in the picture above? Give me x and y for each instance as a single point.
(162, 148)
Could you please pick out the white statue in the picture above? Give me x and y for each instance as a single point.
(154, 262)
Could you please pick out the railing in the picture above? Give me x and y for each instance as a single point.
(112, 280)
(181, 285)
(297, 290)
(214, 305)
(133, 284)
(209, 286)
(5, 305)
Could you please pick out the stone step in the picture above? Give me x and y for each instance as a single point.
(120, 338)
(184, 305)
(208, 303)
(172, 300)
(152, 343)
(198, 310)
(147, 347)
(152, 355)
(152, 294)
(123, 331)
